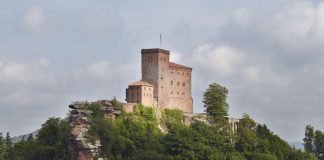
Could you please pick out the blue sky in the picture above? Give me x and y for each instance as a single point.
(269, 54)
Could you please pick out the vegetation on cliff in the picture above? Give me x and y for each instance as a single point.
(138, 135)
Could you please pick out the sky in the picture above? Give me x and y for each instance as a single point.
(269, 54)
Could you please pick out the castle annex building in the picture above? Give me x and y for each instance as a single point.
(164, 84)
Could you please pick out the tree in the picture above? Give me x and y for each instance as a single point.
(319, 145)
(309, 138)
(8, 139)
(30, 137)
(314, 142)
(215, 102)
(1, 139)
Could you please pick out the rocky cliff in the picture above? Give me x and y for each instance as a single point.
(81, 146)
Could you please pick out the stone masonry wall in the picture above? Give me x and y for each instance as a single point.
(155, 66)
(180, 92)
(140, 94)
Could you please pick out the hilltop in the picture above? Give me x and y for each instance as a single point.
(105, 129)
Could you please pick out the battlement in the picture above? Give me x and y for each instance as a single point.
(155, 50)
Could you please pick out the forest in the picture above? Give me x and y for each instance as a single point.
(137, 135)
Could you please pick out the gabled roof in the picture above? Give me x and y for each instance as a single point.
(175, 65)
(140, 83)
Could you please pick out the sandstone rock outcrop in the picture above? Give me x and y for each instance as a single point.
(80, 147)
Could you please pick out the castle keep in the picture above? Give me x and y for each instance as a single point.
(164, 84)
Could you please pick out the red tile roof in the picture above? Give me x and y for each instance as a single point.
(140, 83)
(175, 65)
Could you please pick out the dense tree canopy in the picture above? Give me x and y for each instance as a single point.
(215, 102)
(314, 142)
(138, 135)
(50, 144)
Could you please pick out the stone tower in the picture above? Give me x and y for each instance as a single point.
(155, 67)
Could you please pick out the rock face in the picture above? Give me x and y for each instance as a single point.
(80, 147)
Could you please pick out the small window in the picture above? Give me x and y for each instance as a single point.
(177, 93)
(183, 93)
(182, 73)
(171, 92)
(171, 72)
(183, 84)
(171, 82)
(178, 83)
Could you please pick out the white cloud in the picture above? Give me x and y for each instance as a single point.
(175, 57)
(241, 17)
(34, 19)
(266, 75)
(298, 24)
(224, 60)
(252, 73)
(100, 69)
(35, 72)
(99, 22)
(320, 22)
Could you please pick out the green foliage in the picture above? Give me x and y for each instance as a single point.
(51, 143)
(148, 113)
(215, 102)
(257, 142)
(309, 139)
(133, 136)
(314, 142)
(116, 104)
(172, 118)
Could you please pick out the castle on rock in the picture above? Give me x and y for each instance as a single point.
(164, 84)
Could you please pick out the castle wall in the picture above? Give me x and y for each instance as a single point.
(180, 92)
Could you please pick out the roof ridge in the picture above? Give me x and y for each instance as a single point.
(176, 65)
(140, 83)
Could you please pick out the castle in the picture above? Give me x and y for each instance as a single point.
(164, 84)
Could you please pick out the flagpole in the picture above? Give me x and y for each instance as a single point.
(160, 40)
